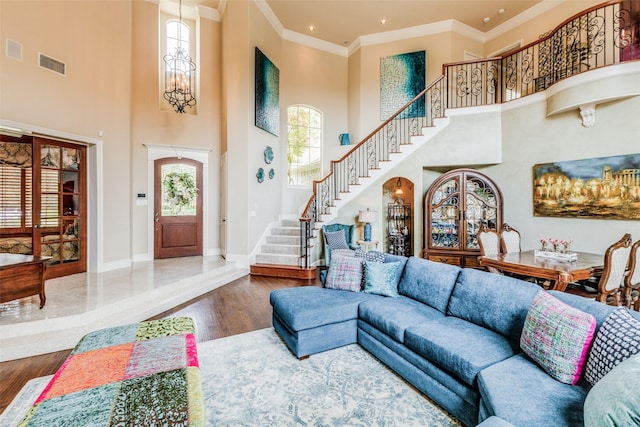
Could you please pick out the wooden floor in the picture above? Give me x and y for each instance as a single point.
(239, 307)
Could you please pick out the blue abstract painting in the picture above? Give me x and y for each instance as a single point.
(402, 78)
(267, 94)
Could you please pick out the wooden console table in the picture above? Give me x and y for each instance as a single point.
(22, 276)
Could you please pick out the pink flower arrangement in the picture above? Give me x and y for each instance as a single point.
(554, 242)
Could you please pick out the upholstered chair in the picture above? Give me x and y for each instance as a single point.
(631, 291)
(509, 239)
(615, 264)
(332, 238)
(489, 242)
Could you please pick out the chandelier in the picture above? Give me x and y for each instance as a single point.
(179, 76)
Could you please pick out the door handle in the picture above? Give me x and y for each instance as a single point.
(37, 226)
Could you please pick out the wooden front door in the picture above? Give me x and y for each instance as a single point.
(177, 208)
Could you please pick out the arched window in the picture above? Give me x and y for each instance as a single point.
(304, 153)
(174, 33)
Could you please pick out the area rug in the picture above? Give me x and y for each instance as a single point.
(253, 379)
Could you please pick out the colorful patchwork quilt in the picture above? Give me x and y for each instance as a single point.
(144, 374)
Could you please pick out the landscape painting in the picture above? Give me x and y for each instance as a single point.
(267, 81)
(402, 78)
(605, 187)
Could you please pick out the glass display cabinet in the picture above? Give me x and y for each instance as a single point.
(399, 228)
(456, 205)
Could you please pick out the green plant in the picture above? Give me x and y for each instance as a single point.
(180, 190)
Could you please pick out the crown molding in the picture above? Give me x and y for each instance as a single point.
(522, 18)
(315, 43)
(450, 25)
(271, 17)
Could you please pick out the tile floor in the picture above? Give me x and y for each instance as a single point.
(83, 302)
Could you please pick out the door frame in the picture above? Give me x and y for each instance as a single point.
(155, 152)
(95, 186)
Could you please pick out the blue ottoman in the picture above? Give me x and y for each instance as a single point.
(312, 319)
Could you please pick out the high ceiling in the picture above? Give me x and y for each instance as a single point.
(343, 21)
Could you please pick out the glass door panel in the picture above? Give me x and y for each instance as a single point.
(481, 208)
(445, 212)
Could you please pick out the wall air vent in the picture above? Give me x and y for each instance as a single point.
(14, 50)
(52, 64)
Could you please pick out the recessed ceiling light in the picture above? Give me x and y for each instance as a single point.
(500, 11)
(486, 20)
(383, 21)
(312, 28)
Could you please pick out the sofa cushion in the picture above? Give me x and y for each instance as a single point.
(459, 347)
(396, 315)
(497, 302)
(345, 272)
(381, 278)
(558, 337)
(617, 339)
(522, 393)
(309, 306)
(429, 282)
(613, 401)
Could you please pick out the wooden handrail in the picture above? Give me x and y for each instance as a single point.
(567, 49)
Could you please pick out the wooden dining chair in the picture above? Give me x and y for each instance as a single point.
(631, 293)
(509, 239)
(610, 285)
(489, 243)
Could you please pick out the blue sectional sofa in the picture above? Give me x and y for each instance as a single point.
(453, 333)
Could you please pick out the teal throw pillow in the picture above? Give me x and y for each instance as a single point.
(382, 278)
(614, 400)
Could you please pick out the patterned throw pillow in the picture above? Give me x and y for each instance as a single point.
(617, 339)
(381, 278)
(557, 336)
(336, 239)
(373, 256)
(345, 273)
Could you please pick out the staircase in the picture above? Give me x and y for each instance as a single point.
(280, 255)
(465, 84)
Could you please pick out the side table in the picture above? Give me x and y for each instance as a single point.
(22, 276)
(367, 245)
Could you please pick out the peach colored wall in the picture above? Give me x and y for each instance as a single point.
(318, 79)
(440, 48)
(153, 125)
(93, 38)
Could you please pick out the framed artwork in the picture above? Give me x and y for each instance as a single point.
(605, 188)
(402, 78)
(267, 94)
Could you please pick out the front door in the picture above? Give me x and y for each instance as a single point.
(177, 208)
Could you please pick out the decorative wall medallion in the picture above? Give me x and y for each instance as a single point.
(268, 155)
(272, 173)
(260, 175)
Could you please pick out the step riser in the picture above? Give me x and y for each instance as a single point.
(283, 240)
(280, 249)
(285, 231)
(277, 259)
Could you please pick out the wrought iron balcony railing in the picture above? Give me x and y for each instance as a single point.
(601, 36)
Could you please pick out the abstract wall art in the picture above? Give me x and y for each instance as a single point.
(402, 78)
(605, 188)
(267, 94)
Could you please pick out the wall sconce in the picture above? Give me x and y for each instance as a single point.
(367, 217)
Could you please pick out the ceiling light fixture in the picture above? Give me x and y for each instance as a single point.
(312, 28)
(500, 11)
(383, 21)
(486, 20)
(179, 78)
